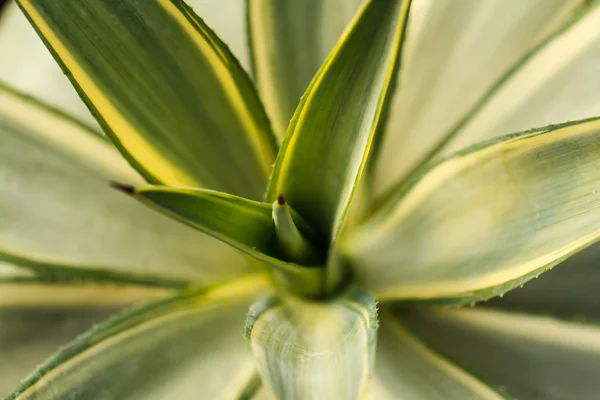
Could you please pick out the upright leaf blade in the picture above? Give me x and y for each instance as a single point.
(328, 140)
(487, 219)
(244, 224)
(165, 89)
(310, 350)
(290, 40)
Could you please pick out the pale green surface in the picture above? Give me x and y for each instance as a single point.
(177, 348)
(327, 142)
(27, 337)
(309, 350)
(558, 84)
(290, 40)
(407, 369)
(528, 357)
(29, 67)
(151, 90)
(486, 219)
(56, 205)
(455, 52)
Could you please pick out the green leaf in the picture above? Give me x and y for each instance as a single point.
(570, 291)
(486, 219)
(57, 210)
(310, 350)
(165, 89)
(328, 140)
(290, 40)
(528, 357)
(241, 223)
(557, 84)
(183, 347)
(28, 66)
(407, 369)
(28, 336)
(454, 54)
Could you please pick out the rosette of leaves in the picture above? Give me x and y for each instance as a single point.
(349, 201)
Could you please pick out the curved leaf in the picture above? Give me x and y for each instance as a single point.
(29, 67)
(407, 369)
(165, 89)
(241, 223)
(454, 54)
(529, 357)
(289, 41)
(486, 219)
(310, 350)
(557, 84)
(328, 140)
(176, 348)
(28, 336)
(570, 291)
(56, 208)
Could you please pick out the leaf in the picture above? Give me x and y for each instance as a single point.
(557, 84)
(454, 54)
(244, 224)
(28, 336)
(228, 20)
(569, 292)
(529, 357)
(28, 65)
(308, 350)
(164, 88)
(407, 369)
(328, 140)
(57, 210)
(37, 293)
(181, 347)
(486, 219)
(289, 41)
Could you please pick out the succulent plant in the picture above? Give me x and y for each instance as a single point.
(349, 201)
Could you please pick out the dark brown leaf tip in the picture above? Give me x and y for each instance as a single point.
(280, 200)
(127, 189)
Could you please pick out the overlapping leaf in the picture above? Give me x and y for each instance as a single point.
(59, 217)
(456, 52)
(486, 219)
(328, 140)
(244, 224)
(174, 348)
(182, 115)
(290, 40)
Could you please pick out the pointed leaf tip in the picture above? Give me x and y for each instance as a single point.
(122, 187)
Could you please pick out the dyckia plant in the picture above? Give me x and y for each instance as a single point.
(348, 201)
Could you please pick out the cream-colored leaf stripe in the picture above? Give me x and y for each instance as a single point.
(52, 295)
(367, 239)
(263, 148)
(128, 136)
(532, 76)
(360, 151)
(541, 329)
(91, 352)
